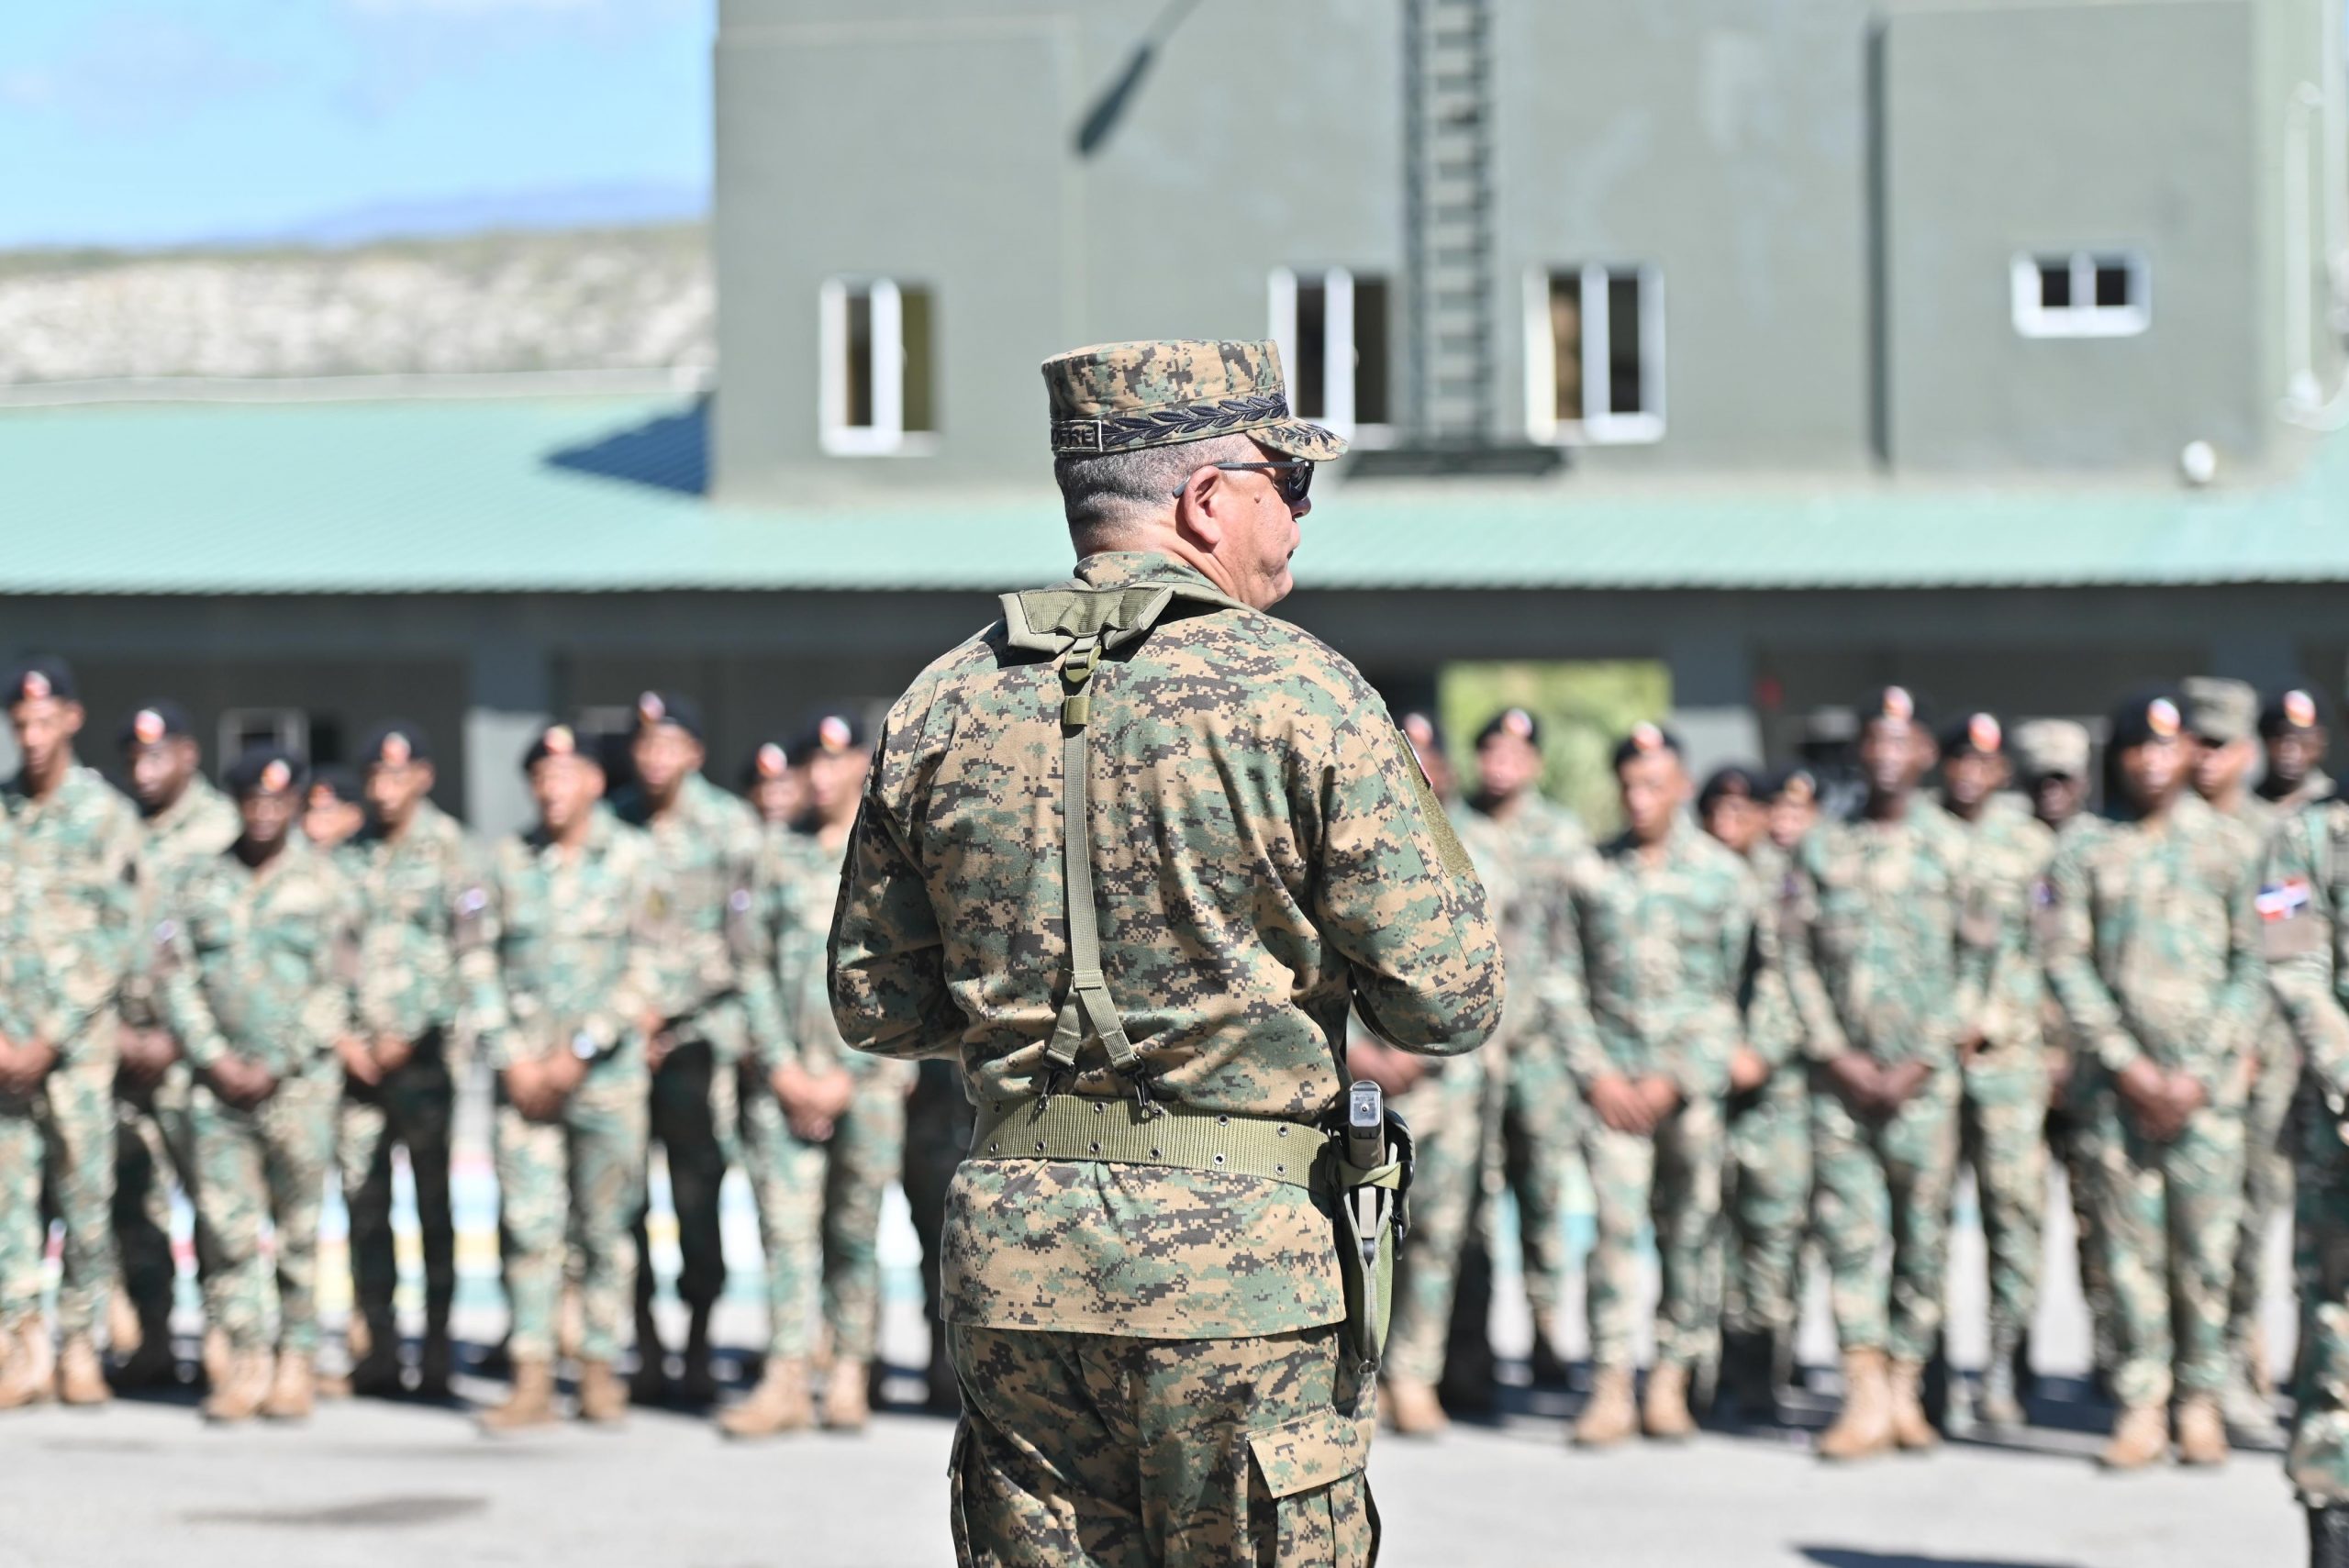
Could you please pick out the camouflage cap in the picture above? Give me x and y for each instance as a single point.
(2218, 710)
(1120, 396)
(2048, 747)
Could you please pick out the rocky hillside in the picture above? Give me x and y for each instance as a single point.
(612, 299)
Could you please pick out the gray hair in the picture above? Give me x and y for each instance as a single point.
(1112, 493)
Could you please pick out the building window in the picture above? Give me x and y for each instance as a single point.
(2083, 294)
(1332, 331)
(878, 347)
(1594, 354)
(242, 728)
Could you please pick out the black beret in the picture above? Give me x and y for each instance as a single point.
(394, 741)
(339, 782)
(1796, 783)
(767, 761)
(1889, 703)
(832, 733)
(2288, 711)
(44, 676)
(156, 722)
(1737, 780)
(2148, 715)
(557, 740)
(271, 768)
(1644, 741)
(1515, 721)
(1976, 732)
(655, 708)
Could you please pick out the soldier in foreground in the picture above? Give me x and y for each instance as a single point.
(76, 843)
(2155, 958)
(256, 989)
(573, 919)
(1145, 1293)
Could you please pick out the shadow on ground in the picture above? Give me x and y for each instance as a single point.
(1850, 1557)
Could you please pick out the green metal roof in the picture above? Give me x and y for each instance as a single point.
(604, 494)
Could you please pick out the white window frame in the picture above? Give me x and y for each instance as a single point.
(2033, 320)
(1340, 349)
(1543, 422)
(887, 435)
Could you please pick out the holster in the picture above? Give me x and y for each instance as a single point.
(1366, 1248)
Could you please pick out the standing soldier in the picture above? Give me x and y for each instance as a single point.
(2002, 1117)
(823, 1127)
(575, 919)
(187, 823)
(776, 790)
(335, 810)
(425, 981)
(2292, 728)
(1665, 920)
(1146, 1295)
(1538, 1141)
(77, 842)
(2222, 717)
(2156, 961)
(256, 988)
(707, 843)
(1875, 965)
(2304, 927)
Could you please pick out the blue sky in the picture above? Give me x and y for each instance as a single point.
(155, 122)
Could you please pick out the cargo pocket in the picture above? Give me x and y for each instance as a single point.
(1311, 1469)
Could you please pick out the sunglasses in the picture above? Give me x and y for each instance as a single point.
(1294, 477)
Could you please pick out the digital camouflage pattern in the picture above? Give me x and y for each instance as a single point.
(575, 938)
(1235, 758)
(76, 860)
(2304, 927)
(2072, 1129)
(1875, 964)
(258, 963)
(1188, 1453)
(1666, 945)
(819, 1204)
(1118, 396)
(2155, 953)
(1768, 1196)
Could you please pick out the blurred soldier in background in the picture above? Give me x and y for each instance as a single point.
(1794, 808)
(335, 808)
(2292, 730)
(2002, 1115)
(707, 843)
(1876, 967)
(776, 790)
(576, 914)
(1537, 1142)
(2156, 961)
(425, 980)
(186, 822)
(76, 843)
(1665, 920)
(823, 1127)
(256, 988)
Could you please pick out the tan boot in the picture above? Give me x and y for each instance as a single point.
(1609, 1416)
(1910, 1429)
(1664, 1413)
(779, 1403)
(242, 1389)
(602, 1397)
(1413, 1411)
(294, 1393)
(530, 1403)
(124, 1334)
(2140, 1437)
(215, 1357)
(81, 1377)
(37, 1361)
(2201, 1432)
(846, 1405)
(15, 1387)
(1864, 1430)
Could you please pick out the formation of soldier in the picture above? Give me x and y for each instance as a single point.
(250, 991)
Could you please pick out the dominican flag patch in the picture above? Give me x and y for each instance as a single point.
(2284, 900)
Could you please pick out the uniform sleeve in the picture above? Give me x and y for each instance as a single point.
(95, 972)
(800, 940)
(2244, 997)
(1820, 1030)
(638, 993)
(887, 963)
(330, 1011)
(1981, 928)
(1771, 1029)
(756, 952)
(180, 991)
(1563, 986)
(1399, 900)
(2095, 1016)
(2307, 944)
(1702, 1070)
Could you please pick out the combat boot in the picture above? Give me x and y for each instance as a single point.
(81, 1376)
(1998, 1403)
(2139, 1438)
(1864, 1429)
(779, 1403)
(36, 1361)
(530, 1402)
(1910, 1427)
(603, 1399)
(1748, 1374)
(847, 1406)
(1413, 1411)
(1609, 1416)
(16, 1389)
(242, 1389)
(293, 1391)
(1664, 1412)
(698, 1386)
(151, 1363)
(215, 1357)
(649, 1383)
(1548, 1370)
(2202, 1432)
(2328, 1537)
(434, 1364)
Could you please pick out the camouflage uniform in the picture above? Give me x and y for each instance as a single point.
(2003, 1110)
(201, 824)
(1665, 944)
(939, 1123)
(819, 1204)
(707, 844)
(576, 938)
(2304, 923)
(1874, 964)
(2155, 955)
(1151, 1356)
(258, 964)
(79, 849)
(1769, 1134)
(426, 978)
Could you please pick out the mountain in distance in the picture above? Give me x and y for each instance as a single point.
(609, 204)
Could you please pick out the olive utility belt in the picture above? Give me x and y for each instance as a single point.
(1119, 1132)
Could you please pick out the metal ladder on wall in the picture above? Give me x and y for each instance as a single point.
(1450, 314)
